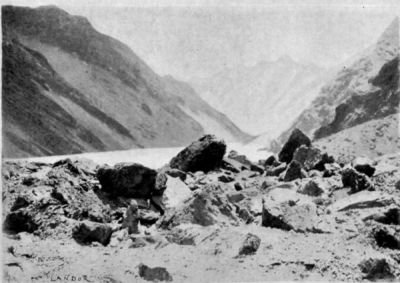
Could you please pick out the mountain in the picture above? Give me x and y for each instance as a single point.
(265, 97)
(366, 88)
(374, 138)
(211, 120)
(68, 88)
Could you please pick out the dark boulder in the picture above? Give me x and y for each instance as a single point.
(130, 180)
(256, 168)
(250, 245)
(312, 188)
(232, 165)
(311, 158)
(293, 171)
(271, 161)
(296, 139)
(22, 220)
(376, 269)
(154, 274)
(364, 165)
(203, 155)
(356, 181)
(225, 178)
(239, 158)
(387, 237)
(86, 232)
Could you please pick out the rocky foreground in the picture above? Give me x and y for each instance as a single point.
(206, 216)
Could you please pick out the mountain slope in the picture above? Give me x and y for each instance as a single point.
(379, 103)
(210, 119)
(374, 138)
(352, 85)
(264, 97)
(105, 88)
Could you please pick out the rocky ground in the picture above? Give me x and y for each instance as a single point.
(206, 216)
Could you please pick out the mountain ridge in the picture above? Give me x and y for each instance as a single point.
(109, 79)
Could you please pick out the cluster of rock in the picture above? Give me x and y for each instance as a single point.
(302, 190)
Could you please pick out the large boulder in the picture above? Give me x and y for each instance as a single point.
(296, 139)
(356, 181)
(293, 171)
(311, 158)
(205, 207)
(287, 210)
(203, 155)
(129, 180)
(87, 232)
(364, 165)
(22, 220)
(175, 193)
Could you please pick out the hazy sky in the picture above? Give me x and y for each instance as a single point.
(201, 39)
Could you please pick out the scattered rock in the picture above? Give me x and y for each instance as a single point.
(87, 232)
(130, 180)
(225, 178)
(287, 210)
(331, 169)
(239, 158)
(269, 182)
(22, 220)
(293, 171)
(235, 197)
(276, 171)
(256, 168)
(238, 186)
(376, 269)
(250, 245)
(386, 237)
(312, 188)
(271, 161)
(245, 215)
(148, 217)
(356, 181)
(231, 165)
(363, 199)
(205, 207)
(397, 185)
(175, 173)
(296, 139)
(389, 217)
(154, 273)
(203, 155)
(308, 157)
(364, 165)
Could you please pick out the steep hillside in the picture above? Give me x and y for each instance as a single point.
(100, 77)
(210, 119)
(373, 138)
(361, 108)
(263, 98)
(354, 80)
